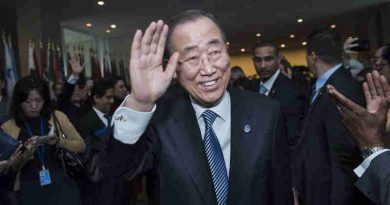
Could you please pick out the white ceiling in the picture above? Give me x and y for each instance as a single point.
(242, 19)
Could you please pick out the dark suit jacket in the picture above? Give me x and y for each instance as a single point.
(375, 182)
(292, 101)
(65, 105)
(172, 146)
(90, 124)
(326, 154)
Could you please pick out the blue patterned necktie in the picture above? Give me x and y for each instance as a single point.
(263, 89)
(215, 158)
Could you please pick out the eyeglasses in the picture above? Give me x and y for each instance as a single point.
(195, 61)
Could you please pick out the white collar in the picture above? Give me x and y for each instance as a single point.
(99, 113)
(220, 109)
(270, 82)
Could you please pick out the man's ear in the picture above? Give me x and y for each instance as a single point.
(314, 56)
(95, 98)
(279, 58)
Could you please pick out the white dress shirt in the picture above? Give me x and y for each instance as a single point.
(100, 114)
(129, 124)
(270, 82)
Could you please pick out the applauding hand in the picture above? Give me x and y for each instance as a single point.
(366, 125)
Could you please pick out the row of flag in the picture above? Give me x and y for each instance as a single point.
(52, 67)
(48, 63)
(9, 65)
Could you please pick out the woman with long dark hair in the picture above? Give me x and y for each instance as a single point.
(41, 178)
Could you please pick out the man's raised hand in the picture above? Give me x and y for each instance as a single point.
(149, 79)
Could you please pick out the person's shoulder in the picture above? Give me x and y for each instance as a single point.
(9, 123)
(59, 114)
(252, 99)
(88, 115)
(288, 86)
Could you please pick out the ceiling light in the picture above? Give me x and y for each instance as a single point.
(108, 31)
(100, 3)
(258, 34)
(300, 20)
(113, 26)
(333, 26)
(227, 43)
(304, 43)
(88, 25)
(292, 36)
(243, 50)
(282, 45)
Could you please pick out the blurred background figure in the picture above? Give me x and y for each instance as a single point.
(120, 92)
(238, 78)
(41, 177)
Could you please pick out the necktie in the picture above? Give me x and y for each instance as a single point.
(215, 158)
(108, 117)
(263, 89)
(313, 93)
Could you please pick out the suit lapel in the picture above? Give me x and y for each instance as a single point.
(187, 137)
(243, 154)
(332, 78)
(272, 92)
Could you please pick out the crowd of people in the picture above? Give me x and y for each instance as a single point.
(203, 132)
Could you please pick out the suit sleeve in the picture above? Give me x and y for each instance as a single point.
(63, 101)
(375, 182)
(281, 175)
(344, 154)
(294, 114)
(132, 148)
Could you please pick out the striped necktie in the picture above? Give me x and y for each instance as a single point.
(215, 158)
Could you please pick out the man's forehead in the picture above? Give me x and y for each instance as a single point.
(265, 51)
(201, 31)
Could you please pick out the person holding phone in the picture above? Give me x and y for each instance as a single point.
(40, 175)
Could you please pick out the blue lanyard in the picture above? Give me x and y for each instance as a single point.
(41, 149)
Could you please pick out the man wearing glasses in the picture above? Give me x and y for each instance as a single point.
(208, 145)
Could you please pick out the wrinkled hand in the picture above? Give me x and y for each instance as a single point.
(348, 44)
(149, 80)
(75, 65)
(366, 125)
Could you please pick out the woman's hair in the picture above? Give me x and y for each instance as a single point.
(20, 95)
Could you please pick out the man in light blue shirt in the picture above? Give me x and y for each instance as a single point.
(208, 144)
(326, 155)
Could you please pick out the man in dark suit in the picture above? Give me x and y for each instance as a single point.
(208, 145)
(95, 131)
(266, 59)
(325, 156)
(367, 126)
(71, 100)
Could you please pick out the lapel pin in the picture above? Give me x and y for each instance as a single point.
(247, 128)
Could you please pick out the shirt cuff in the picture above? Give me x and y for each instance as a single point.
(129, 124)
(359, 171)
(73, 78)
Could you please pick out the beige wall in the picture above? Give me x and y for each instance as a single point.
(294, 56)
